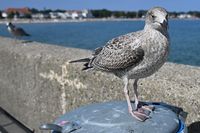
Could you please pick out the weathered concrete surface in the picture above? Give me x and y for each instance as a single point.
(37, 84)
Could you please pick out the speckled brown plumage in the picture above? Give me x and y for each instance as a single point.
(135, 55)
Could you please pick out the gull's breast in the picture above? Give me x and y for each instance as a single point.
(156, 49)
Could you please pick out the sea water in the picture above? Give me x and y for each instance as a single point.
(184, 35)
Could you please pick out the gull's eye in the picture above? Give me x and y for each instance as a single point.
(153, 16)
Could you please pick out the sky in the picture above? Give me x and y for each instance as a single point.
(125, 5)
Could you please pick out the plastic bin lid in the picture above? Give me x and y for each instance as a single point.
(113, 117)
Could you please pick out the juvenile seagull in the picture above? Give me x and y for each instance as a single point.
(17, 32)
(135, 55)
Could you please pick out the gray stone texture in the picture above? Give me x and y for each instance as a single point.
(37, 84)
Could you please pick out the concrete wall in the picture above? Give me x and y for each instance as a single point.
(37, 84)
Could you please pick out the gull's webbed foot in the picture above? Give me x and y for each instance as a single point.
(142, 112)
(150, 108)
(140, 115)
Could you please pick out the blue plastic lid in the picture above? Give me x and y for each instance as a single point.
(113, 117)
(181, 127)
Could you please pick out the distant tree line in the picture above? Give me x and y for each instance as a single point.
(194, 13)
(118, 14)
(104, 13)
(45, 11)
(1, 15)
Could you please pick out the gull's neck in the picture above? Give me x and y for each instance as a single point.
(150, 28)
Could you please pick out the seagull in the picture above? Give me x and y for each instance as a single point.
(134, 56)
(17, 32)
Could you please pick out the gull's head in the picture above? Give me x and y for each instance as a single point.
(157, 18)
(8, 24)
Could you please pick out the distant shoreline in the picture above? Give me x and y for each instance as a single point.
(67, 20)
(75, 20)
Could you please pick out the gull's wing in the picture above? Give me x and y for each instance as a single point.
(109, 60)
(21, 32)
(119, 53)
(123, 41)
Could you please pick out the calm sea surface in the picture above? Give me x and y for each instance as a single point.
(184, 34)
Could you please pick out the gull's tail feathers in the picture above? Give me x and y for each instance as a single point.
(26, 34)
(86, 65)
(80, 60)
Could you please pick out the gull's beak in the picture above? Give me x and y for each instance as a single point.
(164, 22)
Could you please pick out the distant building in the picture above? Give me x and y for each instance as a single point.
(40, 16)
(185, 16)
(172, 16)
(4, 15)
(73, 14)
(62, 15)
(77, 14)
(87, 14)
(20, 11)
(54, 15)
(68, 14)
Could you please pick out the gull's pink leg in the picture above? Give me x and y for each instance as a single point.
(144, 107)
(127, 95)
(136, 94)
(136, 114)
